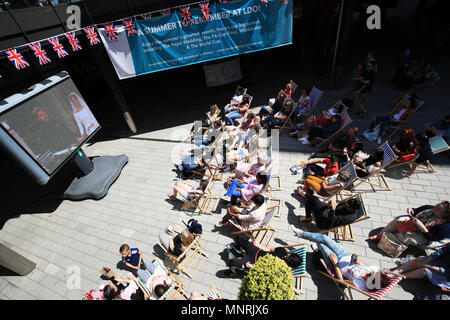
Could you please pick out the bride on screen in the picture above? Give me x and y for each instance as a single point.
(83, 116)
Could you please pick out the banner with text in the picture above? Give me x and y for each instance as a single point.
(177, 39)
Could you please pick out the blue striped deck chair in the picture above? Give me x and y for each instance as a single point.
(388, 157)
(300, 272)
(350, 168)
(172, 293)
(345, 232)
(213, 294)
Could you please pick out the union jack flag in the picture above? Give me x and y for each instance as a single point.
(111, 32)
(223, 1)
(205, 10)
(17, 59)
(91, 35)
(146, 16)
(187, 16)
(74, 42)
(59, 49)
(130, 27)
(39, 53)
(165, 12)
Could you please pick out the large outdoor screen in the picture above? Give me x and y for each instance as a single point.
(51, 125)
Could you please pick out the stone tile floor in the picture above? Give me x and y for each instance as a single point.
(86, 235)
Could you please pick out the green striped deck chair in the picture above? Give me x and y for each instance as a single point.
(300, 272)
(214, 294)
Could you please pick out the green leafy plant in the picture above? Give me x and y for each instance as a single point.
(269, 279)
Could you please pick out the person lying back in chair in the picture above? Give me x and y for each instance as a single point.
(254, 251)
(188, 192)
(235, 101)
(247, 216)
(156, 279)
(347, 268)
(331, 214)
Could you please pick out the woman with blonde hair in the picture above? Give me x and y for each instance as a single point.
(175, 240)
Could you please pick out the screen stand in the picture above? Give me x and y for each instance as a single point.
(96, 176)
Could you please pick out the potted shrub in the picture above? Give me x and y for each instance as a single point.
(269, 279)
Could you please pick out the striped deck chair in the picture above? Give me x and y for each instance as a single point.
(407, 122)
(346, 289)
(175, 289)
(438, 145)
(190, 260)
(346, 121)
(345, 232)
(350, 168)
(300, 272)
(258, 234)
(388, 157)
(214, 294)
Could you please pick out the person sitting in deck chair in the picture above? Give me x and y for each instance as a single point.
(155, 279)
(122, 289)
(304, 106)
(210, 135)
(245, 191)
(331, 214)
(323, 186)
(348, 268)
(311, 167)
(278, 118)
(306, 136)
(277, 105)
(246, 170)
(436, 267)
(235, 101)
(426, 223)
(370, 164)
(423, 152)
(192, 162)
(247, 216)
(398, 116)
(175, 240)
(240, 112)
(188, 192)
(254, 251)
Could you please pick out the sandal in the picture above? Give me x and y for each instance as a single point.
(305, 219)
(172, 197)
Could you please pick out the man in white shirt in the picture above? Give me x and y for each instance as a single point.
(247, 217)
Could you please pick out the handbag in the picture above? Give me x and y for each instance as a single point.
(406, 226)
(390, 245)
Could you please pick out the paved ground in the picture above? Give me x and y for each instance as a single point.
(89, 233)
(62, 235)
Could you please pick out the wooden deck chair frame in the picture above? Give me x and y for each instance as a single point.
(300, 272)
(267, 190)
(209, 200)
(250, 99)
(407, 122)
(294, 87)
(346, 121)
(260, 233)
(184, 263)
(177, 286)
(346, 289)
(239, 87)
(345, 232)
(380, 179)
(213, 293)
(212, 171)
(350, 168)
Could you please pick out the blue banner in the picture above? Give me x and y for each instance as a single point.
(232, 29)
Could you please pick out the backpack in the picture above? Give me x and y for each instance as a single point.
(194, 227)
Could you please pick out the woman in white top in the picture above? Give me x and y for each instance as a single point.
(346, 267)
(156, 280)
(83, 116)
(399, 115)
